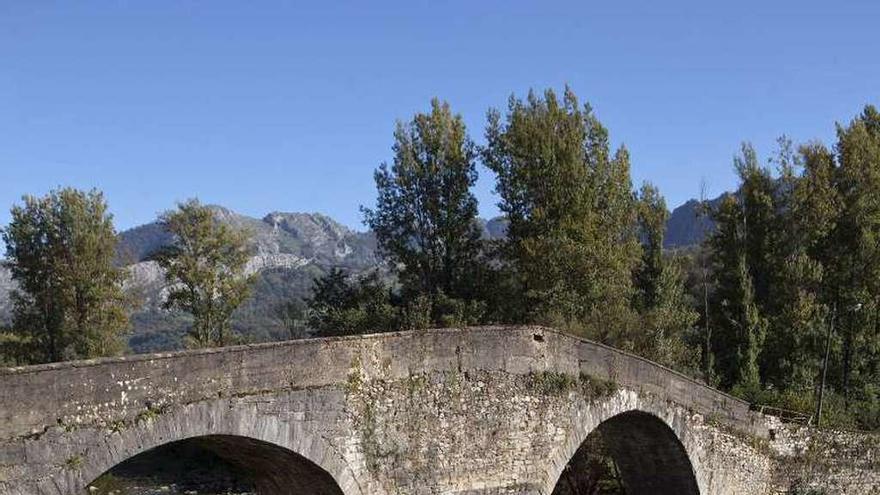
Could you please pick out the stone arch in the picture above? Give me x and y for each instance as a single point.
(648, 445)
(227, 427)
(273, 470)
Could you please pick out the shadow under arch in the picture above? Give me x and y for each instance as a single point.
(647, 455)
(262, 466)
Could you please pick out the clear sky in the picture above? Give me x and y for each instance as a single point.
(263, 106)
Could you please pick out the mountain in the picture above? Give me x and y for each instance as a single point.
(686, 227)
(494, 228)
(290, 251)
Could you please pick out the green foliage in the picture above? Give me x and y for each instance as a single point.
(291, 314)
(205, 269)
(73, 462)
(789, 249)
(596, 388)
(425, 213)
(652, 217)
(69, 301)
(441, 310)
(571, 240)
(344, 305)
(15, 349)
(740, 329)
(666, 313)
(552, 382)
(591, 469)
(557, 383)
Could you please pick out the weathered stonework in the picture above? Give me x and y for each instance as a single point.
(458, 411)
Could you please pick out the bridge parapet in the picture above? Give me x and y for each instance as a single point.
(102, 391)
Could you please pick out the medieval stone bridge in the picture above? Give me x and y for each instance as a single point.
(496, 410)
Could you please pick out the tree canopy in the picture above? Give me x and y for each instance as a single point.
(205, 270)
(68, 302)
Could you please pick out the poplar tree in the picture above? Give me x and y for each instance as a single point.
(425, 213)
(68, 302)
(853, 254)
(667, 315)
(798, 317)
(740, 328)
(652, 215)
(572, 233)
(758, 209)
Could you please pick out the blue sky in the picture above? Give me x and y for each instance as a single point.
(289, 106)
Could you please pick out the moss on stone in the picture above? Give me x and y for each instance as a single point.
(596, 388)
(354, 380)
(152, 412)
(73, 462)
(552, 383)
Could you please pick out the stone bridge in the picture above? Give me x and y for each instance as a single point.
(492, 410)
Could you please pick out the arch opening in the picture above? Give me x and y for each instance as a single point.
(216, 464)
(633, 453)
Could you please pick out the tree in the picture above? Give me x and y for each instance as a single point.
(852, 254)
(703, 213)
(757, 196)
(572, 235)
(425, 212)
(740, 329)
(745, 255)
(805, 210)
(292, 316)
(666, 313)
(343, 305)
(652, 215)
(69, 301)
(205, 267)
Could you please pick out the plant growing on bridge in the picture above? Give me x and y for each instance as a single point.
(205, 267)
(68, 302)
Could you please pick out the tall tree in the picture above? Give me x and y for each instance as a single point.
(744, 249)
(425, 212)
(804, 212)
(661, 299)
(69, 299)
(853, 257)
(703, 254)
(740, 328)
(572, 233)
(756, 196)
(205, 270)
(652, 216)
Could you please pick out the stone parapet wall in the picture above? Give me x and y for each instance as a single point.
(106, 390)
